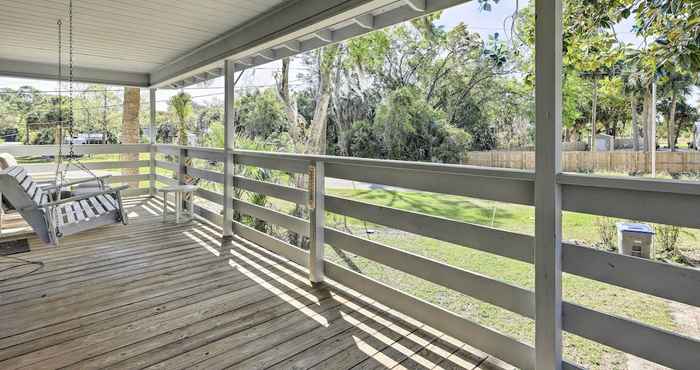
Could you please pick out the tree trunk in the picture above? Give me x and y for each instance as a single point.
(635, 124)
(130, 128)
(672, 132)
(594, 112)
(646, 111)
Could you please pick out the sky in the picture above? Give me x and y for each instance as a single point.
(485, 23)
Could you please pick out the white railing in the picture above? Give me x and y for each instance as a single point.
(95, 158)
(660, 201)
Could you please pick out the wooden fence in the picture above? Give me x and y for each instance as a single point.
(616, 161)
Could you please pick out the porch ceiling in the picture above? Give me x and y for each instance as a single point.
(160, 43)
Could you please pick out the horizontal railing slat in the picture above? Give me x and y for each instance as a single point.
(127, 178)
(499, 242)
(167, 165)
(663, 280)
(662, 207)
(209, 154)
(105, 165)
(207, 175)
(656, 345)
(135, 192)
(487, 340)
(210, 195)
(166, 180)
(501, 173)
(287, 193)
(282, 164)
(270, 243)
(80, 149)
(288, 222)
(511, 190)
(208, 215)
(512, 298)
(168, 149)
(631, 183)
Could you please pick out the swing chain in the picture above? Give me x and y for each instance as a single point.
(70, 87)
(60, 103)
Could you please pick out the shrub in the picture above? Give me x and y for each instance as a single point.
(666, 239)
(607, 233)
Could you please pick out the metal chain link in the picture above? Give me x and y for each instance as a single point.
(59, 157)
(70, 71)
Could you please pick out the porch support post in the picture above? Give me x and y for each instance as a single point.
(317, 217)
(229, 132)
(152, 142)
(548, 106)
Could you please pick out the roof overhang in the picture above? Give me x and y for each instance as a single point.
(291, 28)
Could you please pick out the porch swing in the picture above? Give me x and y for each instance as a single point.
(45, 210)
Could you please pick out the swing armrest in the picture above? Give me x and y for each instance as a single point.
(79, 197)
(75, 182)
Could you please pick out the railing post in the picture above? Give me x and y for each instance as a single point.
(229, 130)
(152, 142)
(548, 107)
(317, 221)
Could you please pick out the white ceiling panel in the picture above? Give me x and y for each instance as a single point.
(161, 43)
(121, 35)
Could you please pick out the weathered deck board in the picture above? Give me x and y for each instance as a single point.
(165, 296)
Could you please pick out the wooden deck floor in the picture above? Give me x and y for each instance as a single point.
(154, 295)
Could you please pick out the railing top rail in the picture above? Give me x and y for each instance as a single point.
(631, 183)
(409, 165)
(25, 150)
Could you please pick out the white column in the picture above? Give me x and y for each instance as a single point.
(229, 131)
(152, 141)
(548, 106)
(317, 217)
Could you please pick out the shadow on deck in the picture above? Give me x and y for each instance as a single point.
(154, 295)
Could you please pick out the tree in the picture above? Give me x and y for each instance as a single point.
(130, 128)
(181, 106)
(310, 136)
(677, 84)
(260, 114)
(25, 100)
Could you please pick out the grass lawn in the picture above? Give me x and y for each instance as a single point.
(589, 293)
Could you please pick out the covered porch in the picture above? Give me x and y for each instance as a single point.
(219, 293)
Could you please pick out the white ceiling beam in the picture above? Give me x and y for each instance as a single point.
(293, 46)
(42, 71)
(290, 22)
(417, 5)
(268, 54)
(324, 35)
(387, 18)
(365, 21)
(246, 61)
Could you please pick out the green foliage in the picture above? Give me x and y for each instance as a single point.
(408, 128)
(260, 114)
(181, 106)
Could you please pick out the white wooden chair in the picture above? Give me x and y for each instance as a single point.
(52, 219)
